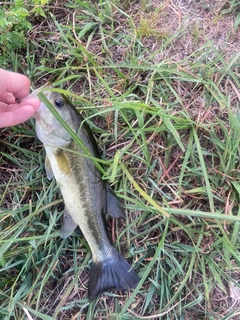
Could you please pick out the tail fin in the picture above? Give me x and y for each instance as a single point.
(113, 273)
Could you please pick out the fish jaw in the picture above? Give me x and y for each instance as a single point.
(44, 129)
(49, 130)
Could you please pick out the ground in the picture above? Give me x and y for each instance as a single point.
(158, 82)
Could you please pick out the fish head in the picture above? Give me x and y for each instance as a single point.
(48, 128)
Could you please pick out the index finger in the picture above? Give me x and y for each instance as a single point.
(15, 83)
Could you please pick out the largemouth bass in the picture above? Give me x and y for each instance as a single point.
(87, 198)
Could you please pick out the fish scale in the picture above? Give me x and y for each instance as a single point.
(86, 196)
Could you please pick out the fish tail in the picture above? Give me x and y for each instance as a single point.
(114, 273)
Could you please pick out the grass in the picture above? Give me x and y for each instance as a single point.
(163, 101)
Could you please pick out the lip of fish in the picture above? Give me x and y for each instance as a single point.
(34, 93)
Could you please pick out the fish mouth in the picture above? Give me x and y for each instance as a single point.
(36, 115)
(35, 92)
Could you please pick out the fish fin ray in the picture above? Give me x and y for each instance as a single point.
(114, 273)
(68, 225)
(115, 206)
(62, 161)
(48, 168)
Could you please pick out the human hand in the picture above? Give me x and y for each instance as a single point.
(14, 85)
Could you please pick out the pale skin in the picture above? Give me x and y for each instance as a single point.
(14, 85)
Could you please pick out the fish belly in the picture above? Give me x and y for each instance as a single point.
(83, 200)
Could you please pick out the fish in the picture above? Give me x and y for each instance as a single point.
(86, 196)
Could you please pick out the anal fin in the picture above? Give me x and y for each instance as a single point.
(114, 205)
(68, 225)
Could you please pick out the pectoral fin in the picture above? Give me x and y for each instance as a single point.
(48, 168)
(114, 205)
(68, 225)
(62, 161)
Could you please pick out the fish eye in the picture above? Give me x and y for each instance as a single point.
(59, 102)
